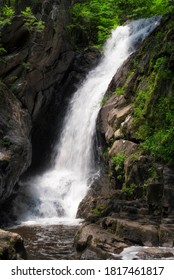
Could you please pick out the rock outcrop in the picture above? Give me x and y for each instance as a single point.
(15, 146)
(11, 246)
(133, 197)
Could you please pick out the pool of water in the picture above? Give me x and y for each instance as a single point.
(48, 242)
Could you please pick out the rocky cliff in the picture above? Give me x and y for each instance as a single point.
(39, 72)
(133, 198)
(35, 63)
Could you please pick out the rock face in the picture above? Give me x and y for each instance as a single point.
(11, 246)
(15, 146)
(35, 63)
(35, 66)
(133, 197)
(39, 72)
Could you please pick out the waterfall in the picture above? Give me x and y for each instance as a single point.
(57, 193)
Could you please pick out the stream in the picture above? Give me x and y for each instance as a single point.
(48, 242)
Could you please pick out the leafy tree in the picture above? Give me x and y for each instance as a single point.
(11, 7)
(93, 20)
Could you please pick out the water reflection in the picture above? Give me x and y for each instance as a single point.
(51, 242)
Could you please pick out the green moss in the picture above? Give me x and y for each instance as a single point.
(154, 105)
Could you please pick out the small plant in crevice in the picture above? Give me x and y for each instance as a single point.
(117, 167)
(27, 66)
(129, 189)
(119, 91)
(31, 22)
(99, 210)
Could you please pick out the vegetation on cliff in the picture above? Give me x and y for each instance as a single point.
(152, 94)
(11, 8)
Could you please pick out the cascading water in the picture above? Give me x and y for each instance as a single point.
(57, 192)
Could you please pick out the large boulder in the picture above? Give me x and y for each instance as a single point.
(11, 246)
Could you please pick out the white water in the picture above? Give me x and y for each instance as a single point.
(140, 252)
(56, 194)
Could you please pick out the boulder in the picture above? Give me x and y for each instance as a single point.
(11, 246)
(122, 146)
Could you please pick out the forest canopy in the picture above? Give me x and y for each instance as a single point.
(93, 20)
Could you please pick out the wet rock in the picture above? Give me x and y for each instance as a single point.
(90, 255)
(103, 243)
(15, 146)
(155, 254)
(11, 246)
(166, 238)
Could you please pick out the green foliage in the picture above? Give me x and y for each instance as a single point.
(141, 103)
(118, 165)
(7, 12)
(99, 211)
(128, 189)
(31, 22)
(160, 7)
(94, 20)
(160, 144)
(27, 66)
(160, 62)
(6, 15)
(119, 91)
(2, 50)
(156, 129)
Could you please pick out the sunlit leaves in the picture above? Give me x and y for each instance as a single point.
(96, 18)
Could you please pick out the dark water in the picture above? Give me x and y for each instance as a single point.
(51, 242)
(55, 242)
